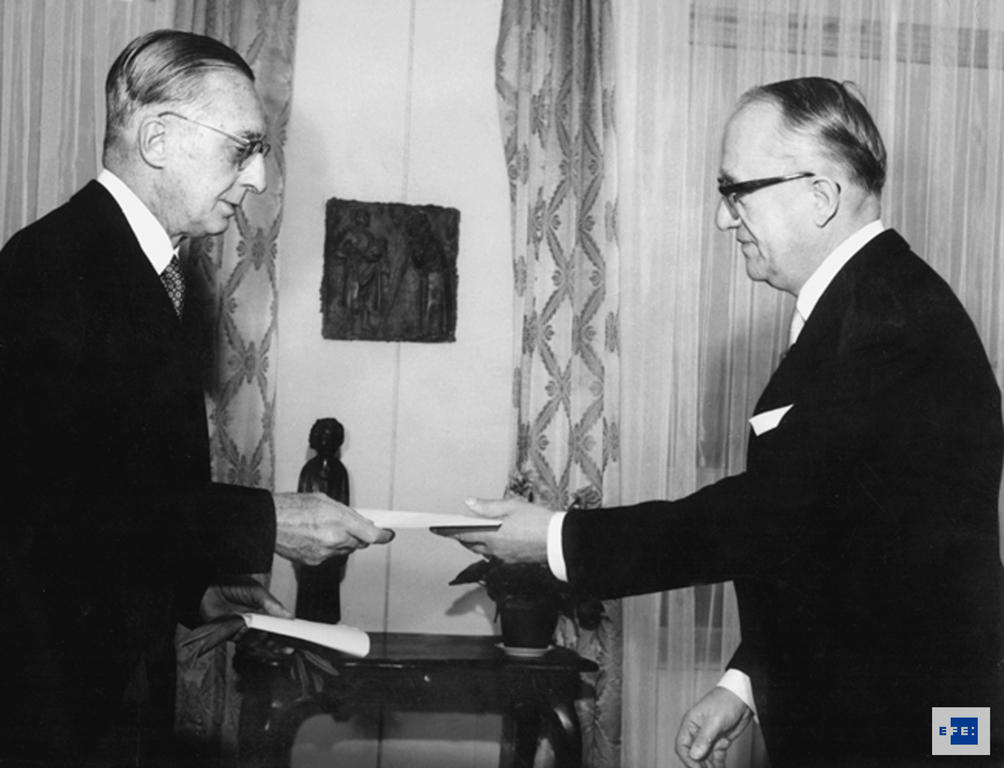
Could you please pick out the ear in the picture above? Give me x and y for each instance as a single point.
(152, 141)
(826, 200)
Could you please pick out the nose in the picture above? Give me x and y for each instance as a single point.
(253, 176)
(724, 219)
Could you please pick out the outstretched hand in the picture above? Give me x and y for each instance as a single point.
(311, 527)
(521, 538)
(221, 608)
(709, 728)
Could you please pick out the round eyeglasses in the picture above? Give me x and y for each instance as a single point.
(246, 148)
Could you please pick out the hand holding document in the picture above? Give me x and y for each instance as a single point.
(394, 519)
(339, 637)
(521, 536)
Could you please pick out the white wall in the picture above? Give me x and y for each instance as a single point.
(394, 101)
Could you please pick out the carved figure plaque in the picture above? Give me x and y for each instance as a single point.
(390, 272)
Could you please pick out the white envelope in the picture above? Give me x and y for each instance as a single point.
(341, 637)
(395, 518)
(766, 421)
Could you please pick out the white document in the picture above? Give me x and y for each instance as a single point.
(766, 421)
(392, 518)
(340, 637)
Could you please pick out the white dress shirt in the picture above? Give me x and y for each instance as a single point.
(820, 280)
(734, 680)
(152, 236)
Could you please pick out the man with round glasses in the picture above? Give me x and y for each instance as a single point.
(862, 538)
(113, 528)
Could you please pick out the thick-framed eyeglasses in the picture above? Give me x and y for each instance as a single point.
(733, 193)
(246, 148)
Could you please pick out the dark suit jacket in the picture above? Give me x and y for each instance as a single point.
(111, 522)
(862, 537)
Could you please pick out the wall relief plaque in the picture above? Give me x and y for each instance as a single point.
(390, 272)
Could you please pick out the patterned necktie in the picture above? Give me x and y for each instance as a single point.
(174, 284)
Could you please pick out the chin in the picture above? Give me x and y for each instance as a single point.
(217, 228)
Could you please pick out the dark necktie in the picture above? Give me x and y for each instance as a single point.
(174, 284)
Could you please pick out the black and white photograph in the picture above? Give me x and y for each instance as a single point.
(518, 383)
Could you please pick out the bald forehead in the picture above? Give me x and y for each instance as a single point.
(756, 143)
(229, 101)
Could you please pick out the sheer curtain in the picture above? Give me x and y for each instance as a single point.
(54, 56)
(699, 340)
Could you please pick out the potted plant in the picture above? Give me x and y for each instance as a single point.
(527, 597)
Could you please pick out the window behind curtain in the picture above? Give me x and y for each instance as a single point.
(54, 56)
(700, 340)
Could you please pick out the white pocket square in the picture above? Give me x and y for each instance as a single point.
(766, 421)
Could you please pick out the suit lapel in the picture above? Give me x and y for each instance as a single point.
(819, 338)
(793, 373)
(122, 266)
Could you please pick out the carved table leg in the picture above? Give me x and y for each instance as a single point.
(567, 735)
(272, 709)
(526, 725)
(521, 728)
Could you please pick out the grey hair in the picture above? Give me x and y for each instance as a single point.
(836, 118)
(162, 67)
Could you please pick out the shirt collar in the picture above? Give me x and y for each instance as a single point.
(152, 236)
(820, 280)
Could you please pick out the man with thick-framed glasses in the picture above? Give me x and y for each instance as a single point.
(113, 529)
(733, 192)
(862, 537)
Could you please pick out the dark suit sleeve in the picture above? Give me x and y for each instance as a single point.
(242, 528)
(747, 660)
(863, 443)
(41, 330)
(231, 531)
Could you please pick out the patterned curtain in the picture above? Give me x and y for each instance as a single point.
(232, 280)
(554, 81)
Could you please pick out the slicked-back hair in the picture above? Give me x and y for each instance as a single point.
(835, 117)
(162, 67)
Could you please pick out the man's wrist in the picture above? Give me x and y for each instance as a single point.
(739, 683)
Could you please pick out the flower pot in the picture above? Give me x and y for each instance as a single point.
(528, 621)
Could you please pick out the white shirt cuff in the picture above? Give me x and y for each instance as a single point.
(555, 557)
(739, 683)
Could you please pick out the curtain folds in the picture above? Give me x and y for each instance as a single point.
(555, 89)
(54, 57)
(233, 290)
(698, 339)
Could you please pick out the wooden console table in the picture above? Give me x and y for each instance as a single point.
(410, 672)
